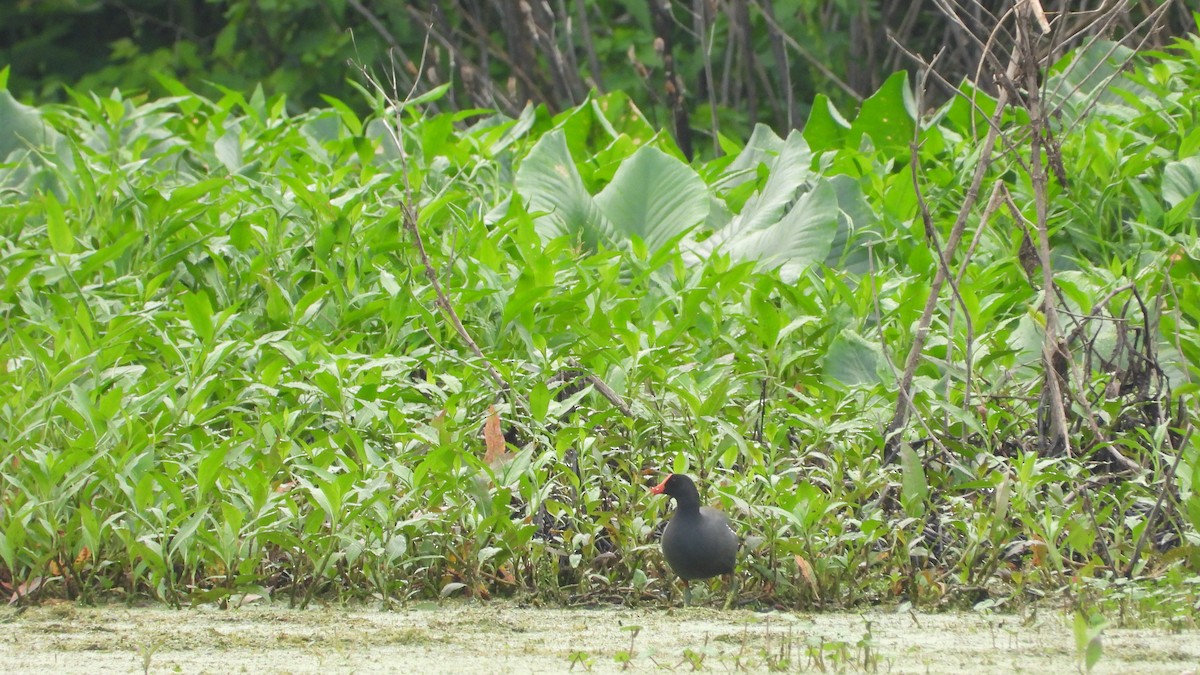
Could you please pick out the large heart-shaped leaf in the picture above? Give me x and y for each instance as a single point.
(1181, 181)
(762, 148)
(888, 117)
(853, 360)
(788, 172)
(654, 196)
(800, 237)
(551, 185)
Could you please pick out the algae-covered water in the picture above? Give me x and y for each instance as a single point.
(465, 637)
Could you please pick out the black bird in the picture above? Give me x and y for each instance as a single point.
(698, 542)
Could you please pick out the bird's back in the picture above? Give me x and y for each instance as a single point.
(701, 545)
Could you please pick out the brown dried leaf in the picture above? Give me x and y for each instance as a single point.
(1040, 552)
(25, 589)
(493, 437)
(806, 573)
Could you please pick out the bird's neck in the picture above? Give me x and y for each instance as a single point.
(687, 500)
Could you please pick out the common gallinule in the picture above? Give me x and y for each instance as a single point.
(698, 542)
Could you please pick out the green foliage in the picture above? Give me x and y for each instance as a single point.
(734, 64)
(657, 201)
(1088, 646)
(226, 372)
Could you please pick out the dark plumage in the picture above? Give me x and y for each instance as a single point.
(698, 542)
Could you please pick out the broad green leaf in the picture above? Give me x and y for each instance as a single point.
(429, 96)
(888, 117)
(825, 129)
(764, 147)
(103, 256)
(353, 124)
(799, 238)
(788, 172)
(228, 150)
(1080, 628)
(655, 197)
(559, 408)
(1089, 75)
(209, 469)
(182, 539)
(22, 127)
(552, 189)
(853, 360)
(1181, 181)
(858, 228)
(539, 402)
(965, 115)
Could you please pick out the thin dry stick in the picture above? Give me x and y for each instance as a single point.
(588, 46)
(410, 224)
(578, 87)
(1105, 554)
(969, 381)
(1168, 480)
(887, 355)
(904, 404)
(806, 55)
(781, 63)
(446, 41)
(706, 35)
(1153, 19)
(381, 29)
(931, 231)
(986, 51)
(1053, 350)
(1009, 144)
(543, 33)
(409, 220)
(1096, 26)
(602, 387)
(1129, 464)
(739, 16)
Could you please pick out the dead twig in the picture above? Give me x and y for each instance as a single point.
(1167, 482)
(904, 405)
(806, 55)
(409, 219)
(577, 371)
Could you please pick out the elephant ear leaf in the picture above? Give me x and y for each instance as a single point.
(800, 237)
(655, 197)
(552, 188)
(1181, 183)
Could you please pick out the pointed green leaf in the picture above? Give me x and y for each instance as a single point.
(788, 172)
(61, 239)
(914, 489)
(1181, 181)
(799, 238)
(825, 129)
(199, 313)
(888, 117)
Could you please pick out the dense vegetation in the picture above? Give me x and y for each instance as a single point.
(690, 66)
(247, 351)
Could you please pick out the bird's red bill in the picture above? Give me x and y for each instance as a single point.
(661, 487)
